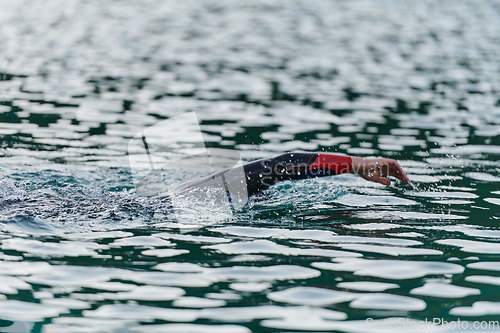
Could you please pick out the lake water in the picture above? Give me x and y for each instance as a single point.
(414, 81)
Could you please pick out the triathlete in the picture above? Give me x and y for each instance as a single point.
(254, 177)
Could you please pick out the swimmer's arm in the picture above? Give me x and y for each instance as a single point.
(263, 173)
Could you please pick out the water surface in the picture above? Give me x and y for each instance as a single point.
(82, 251)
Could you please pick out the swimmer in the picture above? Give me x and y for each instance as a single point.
(261, 174)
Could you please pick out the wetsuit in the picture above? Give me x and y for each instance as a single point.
(291, 166)
(254, 177)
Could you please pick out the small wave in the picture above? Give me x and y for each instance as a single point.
(73, 207)
(299, 195)
(63, 208)
(9, 191)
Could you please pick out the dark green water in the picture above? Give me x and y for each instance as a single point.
(418, 82)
